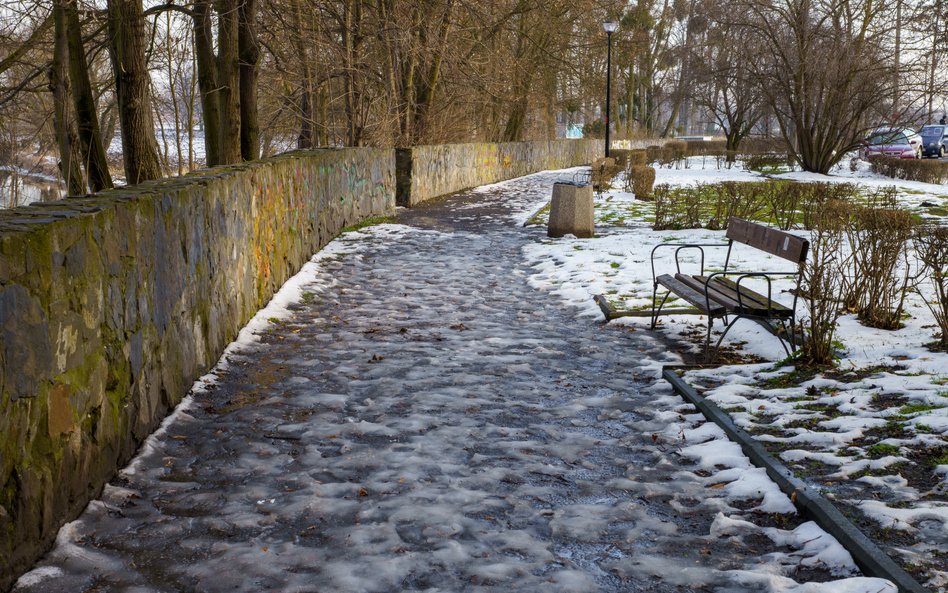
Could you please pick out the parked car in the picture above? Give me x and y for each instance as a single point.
(934, 139)
(896, 142)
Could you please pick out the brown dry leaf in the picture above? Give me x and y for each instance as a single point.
(718, 486)
(363, 492)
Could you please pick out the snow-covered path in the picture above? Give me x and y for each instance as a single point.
(423, 419)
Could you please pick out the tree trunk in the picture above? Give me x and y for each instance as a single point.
(87, 119)
(733, 141)
(249, 53)
(513, 131)
(66, 138)
(351, 37)
(306, 138)
(133, 90)
(425, 94)
(207, 81)
(228, 79)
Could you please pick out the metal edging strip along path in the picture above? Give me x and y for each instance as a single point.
(867, 555)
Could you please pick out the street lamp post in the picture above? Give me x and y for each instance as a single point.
(610, 27)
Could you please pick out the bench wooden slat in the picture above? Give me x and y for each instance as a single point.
(773, 241)
(713, 293)
(685, 292)
(753, 301)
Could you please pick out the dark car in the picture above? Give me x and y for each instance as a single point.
(934, 139)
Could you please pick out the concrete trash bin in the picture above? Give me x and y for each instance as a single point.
(571, 211)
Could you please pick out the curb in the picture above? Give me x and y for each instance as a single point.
(867, 555)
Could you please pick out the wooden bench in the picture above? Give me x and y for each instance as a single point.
(724, 294)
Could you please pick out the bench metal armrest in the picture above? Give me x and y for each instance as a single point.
(678, 248)
(744, 275)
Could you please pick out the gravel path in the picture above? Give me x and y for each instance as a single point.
(424, 420)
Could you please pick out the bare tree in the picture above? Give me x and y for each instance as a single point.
(826, 71)
(724, 82)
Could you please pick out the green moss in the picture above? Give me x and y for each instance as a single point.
(811, 423)
(918, 407)
(539, 218)
(370, 221)
(941, 459)
(893, 429)
(882, 450)
(793, 378)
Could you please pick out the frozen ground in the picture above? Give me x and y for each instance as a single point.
(411, 415)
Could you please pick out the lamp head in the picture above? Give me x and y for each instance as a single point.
(610, 26)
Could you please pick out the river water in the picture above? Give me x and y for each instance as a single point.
(19, 189)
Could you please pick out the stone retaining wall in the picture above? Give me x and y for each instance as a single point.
(426, 172)
(112, 305)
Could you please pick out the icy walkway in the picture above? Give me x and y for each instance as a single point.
(424, 420)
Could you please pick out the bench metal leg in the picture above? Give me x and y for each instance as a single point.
(707, 340)
(788, 337)
(657, 311)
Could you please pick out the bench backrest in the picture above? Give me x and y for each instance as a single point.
(774, 242)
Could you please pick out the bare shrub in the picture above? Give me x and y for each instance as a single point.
(640, 181)
(765, 162)
(931, 247)
(883, 197)
(653, 154)
(736, 198)
(817, 194)
(679, 148)
(879, 239)
(677, 207)
(662, 195)
(667, 157)
(604, 171)
(822, 274)
(913, 169)
(786, 201)
(638, 157)
(786, 204)
(621, 157)
(706, 147)
(634, 158)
